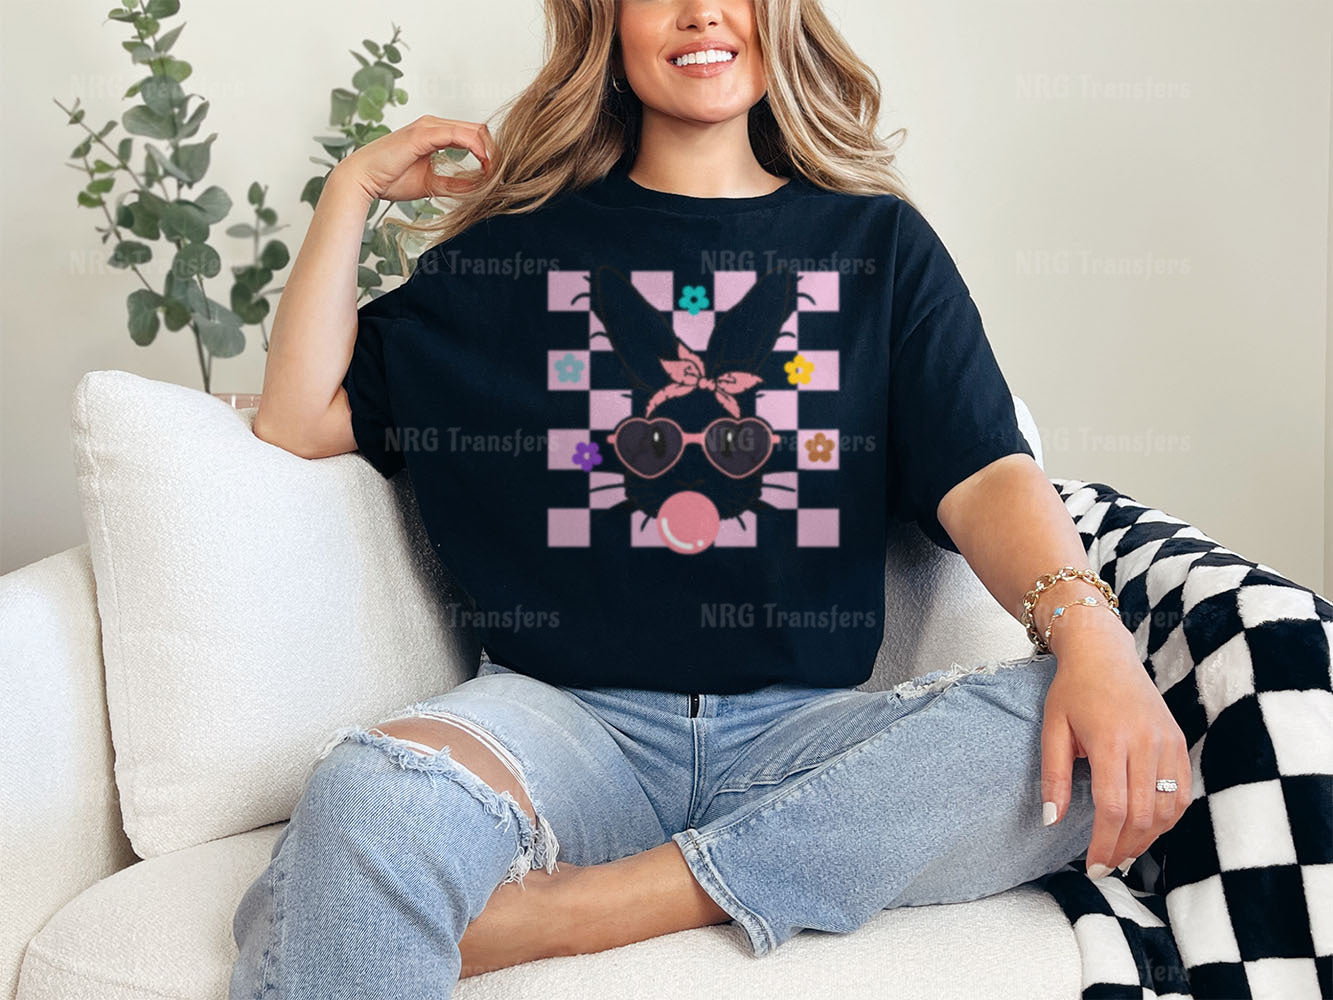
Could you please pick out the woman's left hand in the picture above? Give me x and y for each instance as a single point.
(1103, 705)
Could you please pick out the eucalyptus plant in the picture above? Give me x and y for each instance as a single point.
(159, 205)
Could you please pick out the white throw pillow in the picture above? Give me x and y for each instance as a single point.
(937, 612)
(251, 602)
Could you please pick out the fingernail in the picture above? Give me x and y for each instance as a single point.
(1125, 865)
(1048, 813)
(1098, 870)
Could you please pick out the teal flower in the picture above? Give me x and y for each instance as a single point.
(569, 368)
(693, 298)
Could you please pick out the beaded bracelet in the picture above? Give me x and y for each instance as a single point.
(1044, 582)
(1088, 601)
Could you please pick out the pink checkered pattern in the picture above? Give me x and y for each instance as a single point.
(568, 371)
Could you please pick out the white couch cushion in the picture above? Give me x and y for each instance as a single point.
(251, 602)
(937, 612)
(163, 928)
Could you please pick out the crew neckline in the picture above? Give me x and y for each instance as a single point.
(618, 188)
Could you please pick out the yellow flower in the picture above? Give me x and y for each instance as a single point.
(799, 369)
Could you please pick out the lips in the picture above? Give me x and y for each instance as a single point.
(702, 46)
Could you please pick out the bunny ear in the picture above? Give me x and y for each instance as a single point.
(744, 335)
(639, 334)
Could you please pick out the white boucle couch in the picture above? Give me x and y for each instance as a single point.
(167, 683)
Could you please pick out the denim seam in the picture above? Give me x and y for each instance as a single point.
(276, 888)
(832, 764)
(762, 938)
(699, 770)
(767, 778)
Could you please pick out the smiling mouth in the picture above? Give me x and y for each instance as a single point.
(705, 57)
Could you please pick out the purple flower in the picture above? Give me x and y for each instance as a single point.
(586, 455)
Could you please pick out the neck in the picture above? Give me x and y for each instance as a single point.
(703, 161)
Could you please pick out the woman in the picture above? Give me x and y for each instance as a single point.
(681, 349)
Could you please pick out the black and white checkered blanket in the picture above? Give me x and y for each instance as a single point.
(1236, 900)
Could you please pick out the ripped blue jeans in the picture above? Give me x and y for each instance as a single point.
(794, 807)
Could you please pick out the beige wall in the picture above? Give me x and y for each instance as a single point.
(1046, 142)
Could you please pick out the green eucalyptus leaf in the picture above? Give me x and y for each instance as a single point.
(163, 8)
(392, 54)
(267, 216)
(117, 14)
(242, 231)
(177, 69)
(143, 304)
(106, 128)
(90, 200)
(255, 195)
(246, 305)
(145, 24)
(191, 124)
(342, 105)
(167, 166)
(101, 186)
(378, 75)
(145, 121)
(129, 252)
(144, 221)
(195, 259)
(139, 52)
(221, 339)
(102, 167)
(369, 109)
(253, 277)
(124, 216)
(371, 47)
(274, 255)
(81, 150)
(367, 277)
(184, 220)
(359, 57)
(125, 149)
(399, 95)
(164, 43)
(193, 159)
(163, 95)
(153, 203)
(312, 190)
(175, 314)
(215, 202)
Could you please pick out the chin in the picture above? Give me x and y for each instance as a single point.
(710, 113)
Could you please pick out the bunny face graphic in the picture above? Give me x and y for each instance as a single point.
(693, 452)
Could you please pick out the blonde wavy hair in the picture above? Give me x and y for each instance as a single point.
(570, 126)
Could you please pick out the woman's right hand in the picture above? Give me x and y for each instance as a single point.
(397, 166)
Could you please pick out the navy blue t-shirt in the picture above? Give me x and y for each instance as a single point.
(655, 438)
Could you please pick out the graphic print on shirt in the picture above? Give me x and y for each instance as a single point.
(713, 428)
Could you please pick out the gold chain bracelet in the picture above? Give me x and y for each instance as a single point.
(1058, 613)
(1044, 583)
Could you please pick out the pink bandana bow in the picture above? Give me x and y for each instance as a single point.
(687, 374)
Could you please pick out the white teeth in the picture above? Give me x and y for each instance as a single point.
(706, 56)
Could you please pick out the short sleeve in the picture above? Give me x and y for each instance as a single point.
(951, 412)
(367, 380)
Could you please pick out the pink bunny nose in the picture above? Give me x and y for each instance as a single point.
(688, 522)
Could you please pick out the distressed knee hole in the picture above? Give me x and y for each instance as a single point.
(477, 764)
(429, 736)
